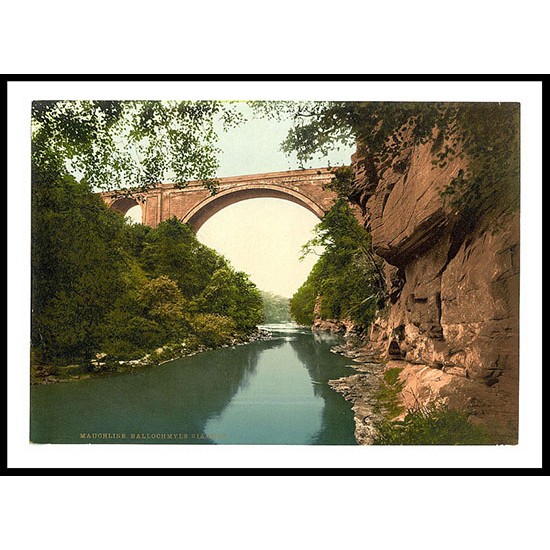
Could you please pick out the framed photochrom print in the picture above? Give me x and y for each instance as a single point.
(275, 272)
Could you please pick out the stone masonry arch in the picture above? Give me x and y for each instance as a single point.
(204, 210)
(193, 204)
(123, 204)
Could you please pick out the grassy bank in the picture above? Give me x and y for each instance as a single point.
(432, 424)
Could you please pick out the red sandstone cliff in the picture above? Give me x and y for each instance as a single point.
(453, 321)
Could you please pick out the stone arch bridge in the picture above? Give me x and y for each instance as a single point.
(194, 204)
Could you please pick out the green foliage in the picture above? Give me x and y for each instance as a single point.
(230, 293)
(385, 127)
(130, 143)
(303, 138)
(213, 329)
(162, 299)
(145, 318)
(173, 250)
(347, 276)
(489, 136)
(302, 303)
(276, 309)
(342, 181)
(134, 237)
(77, 269)
(431, 425)
(100, 285)
(485, 134)
(130, 336)
(387, 396)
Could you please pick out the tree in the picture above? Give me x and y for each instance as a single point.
(230, 293)
(347, 277)
(138, 144)
(163, 302)
(213, 329)
(146, 317)
(173, 250)
(134, 238)
(302, 303)
(77, 269)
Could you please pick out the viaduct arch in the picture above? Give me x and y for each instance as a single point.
(194, 204)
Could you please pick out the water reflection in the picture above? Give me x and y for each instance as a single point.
(177, 397)
(269, 392)
(322, 366)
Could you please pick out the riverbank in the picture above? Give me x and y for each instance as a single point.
(387, 409)
(362, 388)
(103, 365)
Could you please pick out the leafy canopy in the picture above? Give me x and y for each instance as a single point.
(486, 134)
(118, 144)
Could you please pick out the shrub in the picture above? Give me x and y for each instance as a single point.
(434, 424)
(387, 395)
(119, 348)
(212, 329)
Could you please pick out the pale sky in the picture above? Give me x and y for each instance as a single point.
(253, 148)
(263, 237)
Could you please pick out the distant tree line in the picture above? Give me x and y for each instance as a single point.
(276, 308)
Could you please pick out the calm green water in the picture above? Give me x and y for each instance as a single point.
(268, 392)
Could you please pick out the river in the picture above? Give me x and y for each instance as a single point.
(267, 392)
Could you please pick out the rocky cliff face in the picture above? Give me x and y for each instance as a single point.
(453, 282)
